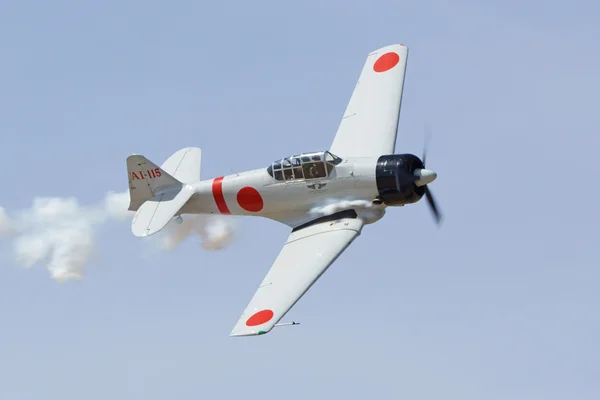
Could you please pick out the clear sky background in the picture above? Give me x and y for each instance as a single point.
(501, 302)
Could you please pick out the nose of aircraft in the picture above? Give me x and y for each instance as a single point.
(424, 176)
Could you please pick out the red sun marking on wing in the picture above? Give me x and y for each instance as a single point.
(386, 62)
(249, 199)
(260, 318)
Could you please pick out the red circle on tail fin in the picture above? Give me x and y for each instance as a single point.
(249, 199)
(386, 62)
(260, 318)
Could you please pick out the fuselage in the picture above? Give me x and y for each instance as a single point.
(294, 200)
(300, 188)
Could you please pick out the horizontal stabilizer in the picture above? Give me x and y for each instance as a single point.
(156, 213)
(184, 165)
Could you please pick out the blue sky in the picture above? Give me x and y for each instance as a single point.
(499, 303)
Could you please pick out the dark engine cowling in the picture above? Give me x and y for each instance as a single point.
(395, 179)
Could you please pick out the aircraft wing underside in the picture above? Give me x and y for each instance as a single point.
(370, 122)
(306, 255)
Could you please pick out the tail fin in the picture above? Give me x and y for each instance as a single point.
(158, 193)
(146, 180)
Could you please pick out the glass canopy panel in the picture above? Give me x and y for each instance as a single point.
(305, 166)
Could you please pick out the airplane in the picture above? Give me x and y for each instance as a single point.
(325, 197)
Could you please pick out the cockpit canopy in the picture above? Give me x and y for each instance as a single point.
(304, 166)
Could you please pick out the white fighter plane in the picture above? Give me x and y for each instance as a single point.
(325, 197)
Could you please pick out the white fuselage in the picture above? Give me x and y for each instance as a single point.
(257, 193)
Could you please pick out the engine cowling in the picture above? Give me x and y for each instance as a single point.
(395, 179)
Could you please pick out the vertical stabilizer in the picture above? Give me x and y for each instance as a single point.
(146, 180)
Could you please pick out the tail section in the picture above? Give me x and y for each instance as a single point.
(146, 179)
(158, 193)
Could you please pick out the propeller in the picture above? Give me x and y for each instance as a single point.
(426, 138)
(425, 176)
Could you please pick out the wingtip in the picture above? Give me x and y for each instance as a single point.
(390, 47)
(139, 232)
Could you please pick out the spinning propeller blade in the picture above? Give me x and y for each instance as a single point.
(430, 199)
(426, 138)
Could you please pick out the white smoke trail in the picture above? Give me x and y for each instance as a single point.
(61, 233)
(6, 225)
(216, 232)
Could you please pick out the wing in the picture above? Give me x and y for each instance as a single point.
(305, 256)
(370, 122)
